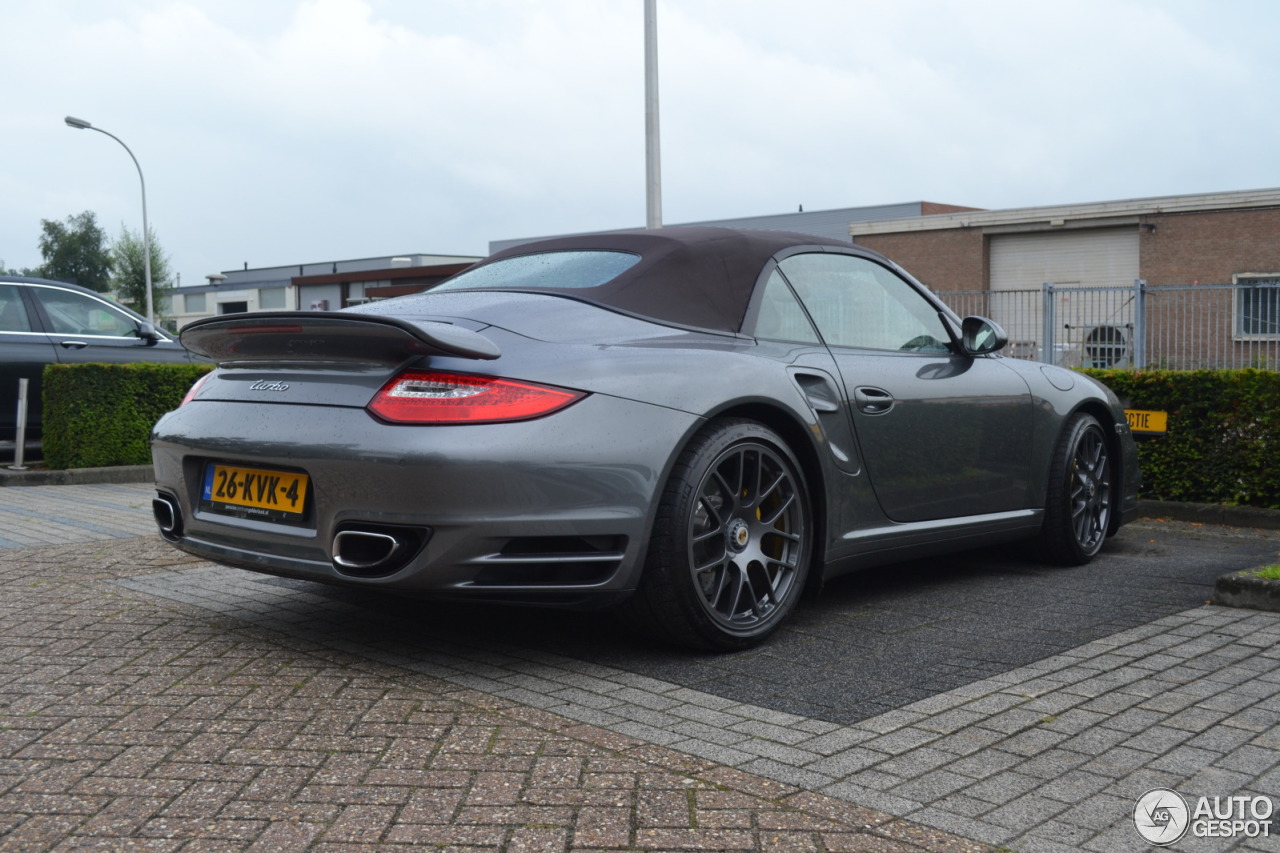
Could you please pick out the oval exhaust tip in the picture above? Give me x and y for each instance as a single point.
(362, 549)
(168, 518)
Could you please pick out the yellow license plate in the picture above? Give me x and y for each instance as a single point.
(1141, 421)
(256, 491)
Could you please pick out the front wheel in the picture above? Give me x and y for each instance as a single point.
(1078, 507)
(731, 542)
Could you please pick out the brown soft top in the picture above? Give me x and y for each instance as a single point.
(700, 277)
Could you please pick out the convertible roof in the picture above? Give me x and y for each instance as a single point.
(696, 276)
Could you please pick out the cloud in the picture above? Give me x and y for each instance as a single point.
(279, 133)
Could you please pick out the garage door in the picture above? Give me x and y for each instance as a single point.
(1101, 257)
(1093, 271)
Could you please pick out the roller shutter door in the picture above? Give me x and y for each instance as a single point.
(1101, 257)
(1093, 271)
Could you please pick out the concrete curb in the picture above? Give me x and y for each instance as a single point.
(1232, 516)
(76, 476)
(1246, 589)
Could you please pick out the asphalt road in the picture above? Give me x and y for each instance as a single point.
(872, 642)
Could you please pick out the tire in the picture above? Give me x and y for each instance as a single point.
(731, 543)
(1078, 506)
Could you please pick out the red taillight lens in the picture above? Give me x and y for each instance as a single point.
(190, 395)
(433, 397)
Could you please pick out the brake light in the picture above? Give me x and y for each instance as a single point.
(264, 330)
(195, 387)
(434, 397)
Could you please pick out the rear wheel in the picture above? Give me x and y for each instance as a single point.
(731, 543)
(1078, 507)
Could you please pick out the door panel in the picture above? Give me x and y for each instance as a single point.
(942, 435)
(23, 354)
(86, 328)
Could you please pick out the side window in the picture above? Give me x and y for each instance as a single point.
(13, 314)
(77, 314)
(857, 303)
(781, 317)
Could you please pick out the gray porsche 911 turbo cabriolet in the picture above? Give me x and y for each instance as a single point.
(690, 424)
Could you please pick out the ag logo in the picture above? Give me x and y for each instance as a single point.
(1161, 816)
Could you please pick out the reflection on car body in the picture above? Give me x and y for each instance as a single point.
(692, 425)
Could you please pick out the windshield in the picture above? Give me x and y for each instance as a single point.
(555, 270)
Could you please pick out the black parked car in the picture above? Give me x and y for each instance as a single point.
(52, 322)
(693, 423)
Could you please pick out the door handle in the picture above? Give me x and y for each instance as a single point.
(74, 344)
(872, 401)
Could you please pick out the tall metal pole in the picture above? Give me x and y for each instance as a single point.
(81, 124)
(652, 159)
(1139, 323)
(20, 443)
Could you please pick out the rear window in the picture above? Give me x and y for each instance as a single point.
(554, 270)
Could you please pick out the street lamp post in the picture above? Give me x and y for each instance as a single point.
(653, 156)
(81, 124)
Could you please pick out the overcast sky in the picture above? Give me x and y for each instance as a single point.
(276, 132)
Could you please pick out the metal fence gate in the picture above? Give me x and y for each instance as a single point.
(1182, 327)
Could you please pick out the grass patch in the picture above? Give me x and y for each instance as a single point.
(1269, 572)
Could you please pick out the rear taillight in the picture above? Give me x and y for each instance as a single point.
(190, 395)
(434, 397)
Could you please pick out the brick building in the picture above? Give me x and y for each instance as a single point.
(1210, 266)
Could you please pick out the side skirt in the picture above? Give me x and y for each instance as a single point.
(894, 543)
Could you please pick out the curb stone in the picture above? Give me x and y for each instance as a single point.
(1246, 589)
(76, 476)
(1231, 516)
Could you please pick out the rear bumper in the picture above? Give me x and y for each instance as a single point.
(555, 510)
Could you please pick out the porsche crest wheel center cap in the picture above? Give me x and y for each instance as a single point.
(739, 534)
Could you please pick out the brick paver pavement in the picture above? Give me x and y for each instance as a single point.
(59, 515)
(150, 701)
(134, 722)
(1045, 758)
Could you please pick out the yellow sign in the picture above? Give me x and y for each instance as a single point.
(1148, 422)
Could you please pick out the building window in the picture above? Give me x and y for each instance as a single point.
(1257, 308)
(271, 299)
(194, 303)
(232, 307)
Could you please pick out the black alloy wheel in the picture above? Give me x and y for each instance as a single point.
(732, 542)
(1079, 506)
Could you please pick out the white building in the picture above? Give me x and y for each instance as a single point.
(325, 286)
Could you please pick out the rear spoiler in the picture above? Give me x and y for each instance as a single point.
(311, 336)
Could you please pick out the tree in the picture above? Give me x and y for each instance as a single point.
(25, 271)
(76, 251)
(128, 272)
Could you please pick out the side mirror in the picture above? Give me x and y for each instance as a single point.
(147, 331)
(980, 336)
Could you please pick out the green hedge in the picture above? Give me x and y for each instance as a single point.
(102, 414)
(1223, 444)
